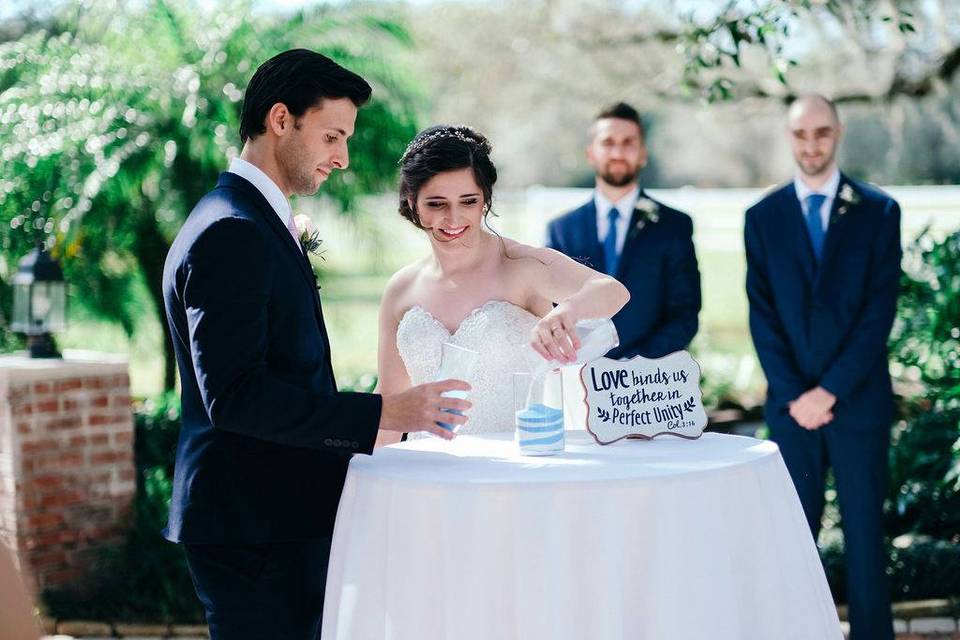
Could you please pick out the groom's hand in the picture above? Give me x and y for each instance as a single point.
(423, 406)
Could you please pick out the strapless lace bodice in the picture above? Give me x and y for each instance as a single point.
(497, 330)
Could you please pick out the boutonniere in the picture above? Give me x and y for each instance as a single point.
(309, 236)
(848, 198)
(649, 212)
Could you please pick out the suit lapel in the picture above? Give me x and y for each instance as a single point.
(633, 239)
(590, 249)
(837, 229)
(276, 226)
(797, 236)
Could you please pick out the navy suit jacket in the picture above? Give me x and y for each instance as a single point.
(658, 265)
(825, 325)
(266, 436)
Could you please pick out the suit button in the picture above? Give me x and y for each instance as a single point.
(328, 442)
(355, 444)
(337, 443)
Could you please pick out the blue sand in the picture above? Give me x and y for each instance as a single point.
(556, 426)
(539, 413)
(547, 440)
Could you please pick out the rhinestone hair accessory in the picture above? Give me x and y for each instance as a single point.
(449, 133)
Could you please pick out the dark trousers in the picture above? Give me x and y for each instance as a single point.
(860, 468)
(261, 591)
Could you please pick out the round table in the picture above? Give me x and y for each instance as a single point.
(662, 539)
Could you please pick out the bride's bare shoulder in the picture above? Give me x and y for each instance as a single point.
(527, 256)
(398, 293)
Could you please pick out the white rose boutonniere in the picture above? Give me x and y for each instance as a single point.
(848, 198)
(309, 236)
(649, 212)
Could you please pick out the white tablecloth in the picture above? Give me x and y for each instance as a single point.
(660, 540)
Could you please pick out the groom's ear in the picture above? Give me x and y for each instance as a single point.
(279, 119)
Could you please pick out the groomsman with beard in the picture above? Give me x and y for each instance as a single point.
(823, 268)
(643, 243)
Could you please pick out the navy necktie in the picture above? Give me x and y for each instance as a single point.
(610, 257)
(815, 222)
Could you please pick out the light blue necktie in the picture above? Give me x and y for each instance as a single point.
(815, 222)
(610, 257)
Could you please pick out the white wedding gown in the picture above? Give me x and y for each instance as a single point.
(498, 331)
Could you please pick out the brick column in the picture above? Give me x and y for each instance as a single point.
(67, 478)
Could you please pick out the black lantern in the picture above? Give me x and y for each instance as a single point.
(39, 302)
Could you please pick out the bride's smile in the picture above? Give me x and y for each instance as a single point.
(452, 234)
(450, 206)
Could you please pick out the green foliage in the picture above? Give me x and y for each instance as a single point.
(925, 348)
(924, 496)
(9, 341)
(117, 119)
(925, 342)
(918, 569)
(365, 383)
(923, 507)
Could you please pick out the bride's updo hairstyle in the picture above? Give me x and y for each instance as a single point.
(440, 149)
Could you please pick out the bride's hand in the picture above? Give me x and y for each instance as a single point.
(555, 336)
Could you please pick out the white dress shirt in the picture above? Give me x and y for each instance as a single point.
(252, 174)
(828, 189)
(624, 205)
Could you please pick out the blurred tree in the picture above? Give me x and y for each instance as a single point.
(736, 49)
(925, 353)
(116, 118)
(712, 77)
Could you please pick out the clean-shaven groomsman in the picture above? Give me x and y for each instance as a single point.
(823, 269)
(643, 243)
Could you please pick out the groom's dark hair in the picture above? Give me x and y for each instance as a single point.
(300, 79)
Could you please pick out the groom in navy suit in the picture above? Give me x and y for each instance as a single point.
(266, 436)
(643, 243)
(823, 268)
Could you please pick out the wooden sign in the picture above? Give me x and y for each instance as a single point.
(643, 398)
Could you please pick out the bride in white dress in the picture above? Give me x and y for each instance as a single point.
(477, 289)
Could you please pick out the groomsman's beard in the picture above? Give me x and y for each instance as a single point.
(618, 180)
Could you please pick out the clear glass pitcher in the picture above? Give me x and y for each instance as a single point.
(597, 337)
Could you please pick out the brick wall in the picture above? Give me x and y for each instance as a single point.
(67, 478)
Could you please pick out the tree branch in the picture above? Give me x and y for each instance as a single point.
(900, 86)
